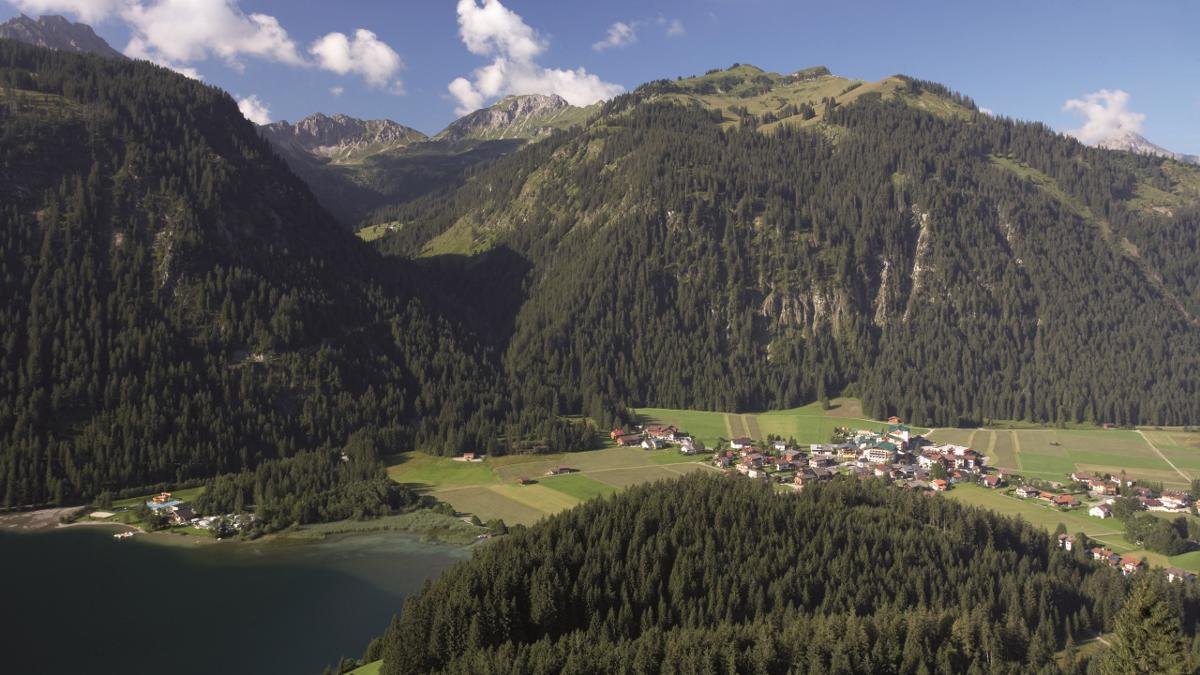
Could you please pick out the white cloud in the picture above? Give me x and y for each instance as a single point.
(254, 109)
(491, 29)
(180, 33)
(365, 55)
(620, 34)
(1105, 115)
(91, 11)
(675, 28)
(337, 91)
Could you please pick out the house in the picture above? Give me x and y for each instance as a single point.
(524, 481)
(159, 506)
(1131, 565)
(1027, 492)
(1175, 500)
(181, 515)
(993, 482)
(893, 420)
(690, 446)
(880, 455)
(161, 498)
(1101, 553)
(1066, 541)
(723, 461)
(653, 444)
(779, 446)
(1065, 501)
(559, 470)
(627, 440)
(1100, 511)
(1150, 503)
(782, 464)
(616, 433)
(1102, 486)
(469, 456)
(823, 462)
(665, 433)
(1175, 574)
(940, 485)
(742, 443)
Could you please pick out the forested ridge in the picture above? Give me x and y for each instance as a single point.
(948, 267)
(718, 574)
(176, 305)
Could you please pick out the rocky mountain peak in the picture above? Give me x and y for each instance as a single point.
(331, 135)
(511, 116)
(57, 32)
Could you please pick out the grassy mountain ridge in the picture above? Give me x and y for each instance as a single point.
(883, 250)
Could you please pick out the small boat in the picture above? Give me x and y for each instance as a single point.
(123, 535)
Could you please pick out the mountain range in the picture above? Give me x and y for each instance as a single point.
(1131, 141)
(179, 302)
(57, 32)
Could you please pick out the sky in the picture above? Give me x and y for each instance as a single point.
(1088, 67)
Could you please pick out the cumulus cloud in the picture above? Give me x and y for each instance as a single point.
(490, 29)
(1105, 114)
(675, 28)
(180, 33)
(91, 11)
(620, 34)
(364, 55)
(254, 109)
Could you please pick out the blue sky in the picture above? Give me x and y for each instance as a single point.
(1023, 59)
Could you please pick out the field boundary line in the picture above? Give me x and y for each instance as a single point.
(1162, 456)
(1016, 449)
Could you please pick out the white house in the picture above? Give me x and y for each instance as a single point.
(1100, 511)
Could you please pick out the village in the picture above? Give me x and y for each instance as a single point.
(913, 462)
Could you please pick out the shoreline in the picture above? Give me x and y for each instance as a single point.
(40, 521)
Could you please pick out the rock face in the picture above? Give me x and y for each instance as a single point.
(1131, 141)
(56, 32)
(511, 117)
(340, 136)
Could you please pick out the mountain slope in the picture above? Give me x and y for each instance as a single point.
(176, 304)
(521, 117)
(56, 32)
(747, 241)
(340, 138)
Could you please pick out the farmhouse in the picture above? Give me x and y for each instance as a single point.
(1131, 565)
(993, 482)
(628, 440)
(1100, 511)
(654, 443)
(742, 443)
(664, 433)
(1027, 492)
(1064, 501)
(1066, 541)
(1175, 574)
(940, 485)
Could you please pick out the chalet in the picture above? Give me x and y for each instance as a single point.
(1102, 487)
(792, 455)
(560, 470)
(182, 515)
(779, 446)
(821, 448)
(821, 462)
(1066, 541)
(1150, 503)
(1085, 476)
(940, 485)
(723, 461)
(161, 498)
(1175, 500)
(893, 420)
(900, 432)
(782, 464)
(629, 440)
(654, 444)
(1100, 511)
(742, 443)
(690, 446)
(1064, 501)
(1175, 574)
(993, 482)
(616, 433)
(1027, 492)
(1131, 565)
(1102, 553)
(881, 471)
(664, 433)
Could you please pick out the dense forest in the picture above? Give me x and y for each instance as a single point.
(943, 265)
(718, 574)
(176, 305)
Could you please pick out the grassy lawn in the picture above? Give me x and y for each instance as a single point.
(490, 489)
(186, 495)
(807, 424)
(369, 669)
(1054, 454)
(578, 486)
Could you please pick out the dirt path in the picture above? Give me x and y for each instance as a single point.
(1186, 478)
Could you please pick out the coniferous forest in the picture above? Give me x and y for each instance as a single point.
(725, 575)
(178, 306)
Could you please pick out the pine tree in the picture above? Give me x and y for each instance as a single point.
(1149, 634)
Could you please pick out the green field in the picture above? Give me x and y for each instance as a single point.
(807, 424)
(492, 489)
(369, 669)
(186, 495)
(1053, 454)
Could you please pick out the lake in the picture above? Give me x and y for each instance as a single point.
(77, 601)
